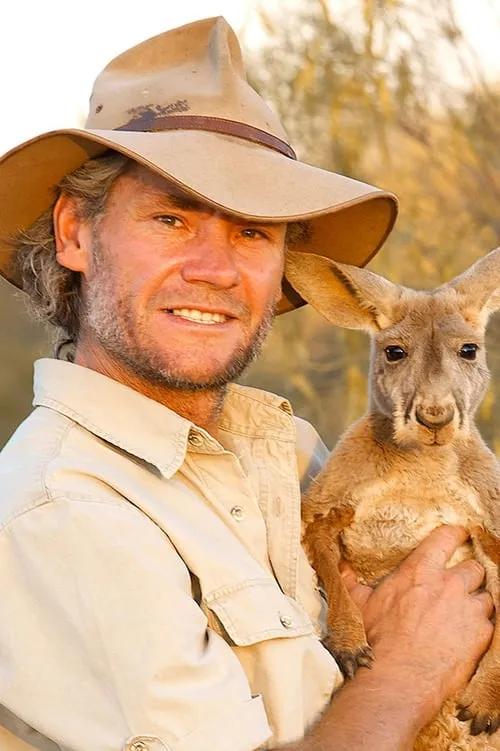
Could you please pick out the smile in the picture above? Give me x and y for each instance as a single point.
(191, 314)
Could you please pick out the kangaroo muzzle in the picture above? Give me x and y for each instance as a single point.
(435, 417)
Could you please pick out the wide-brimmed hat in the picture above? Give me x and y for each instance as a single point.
(180, 104)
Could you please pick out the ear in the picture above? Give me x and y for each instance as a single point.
(73, 237)
(478, 288)
(345, 295)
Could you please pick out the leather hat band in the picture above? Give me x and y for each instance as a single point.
(147, 124)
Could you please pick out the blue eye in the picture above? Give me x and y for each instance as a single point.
(468, 351)
(394, 353)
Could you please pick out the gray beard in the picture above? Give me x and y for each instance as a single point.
(109, 320)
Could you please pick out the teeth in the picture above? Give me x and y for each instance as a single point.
(199, 316)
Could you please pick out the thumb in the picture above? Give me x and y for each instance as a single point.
(437, 548)
(360, 593)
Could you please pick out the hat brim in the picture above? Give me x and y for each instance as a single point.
(349, 219)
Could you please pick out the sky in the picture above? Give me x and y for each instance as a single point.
(52, 50)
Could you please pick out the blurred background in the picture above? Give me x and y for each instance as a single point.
(401, 93)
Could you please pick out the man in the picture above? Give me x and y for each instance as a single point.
(154, 592)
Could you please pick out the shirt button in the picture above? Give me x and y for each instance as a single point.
(238, 513)
(286, 621)
(144, 743)
(195, 440)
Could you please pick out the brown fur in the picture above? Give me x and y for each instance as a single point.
(413, 462)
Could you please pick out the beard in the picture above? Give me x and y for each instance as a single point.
(109, 317)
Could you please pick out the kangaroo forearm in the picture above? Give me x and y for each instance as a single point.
(373, 712)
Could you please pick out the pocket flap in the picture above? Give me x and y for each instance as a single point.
(257, 610)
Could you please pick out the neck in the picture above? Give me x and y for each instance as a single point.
(200, 406)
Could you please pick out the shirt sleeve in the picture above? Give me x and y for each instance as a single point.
(102, 645)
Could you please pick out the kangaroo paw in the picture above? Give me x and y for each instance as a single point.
(480, 705)
(349, 660)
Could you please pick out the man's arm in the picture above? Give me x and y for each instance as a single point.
(428, 631)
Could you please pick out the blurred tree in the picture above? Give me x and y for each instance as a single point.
(21, 342)
(390, 93)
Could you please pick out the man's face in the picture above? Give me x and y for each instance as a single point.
(178, 294)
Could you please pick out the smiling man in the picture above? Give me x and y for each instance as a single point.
(179, 296)
(155, 595)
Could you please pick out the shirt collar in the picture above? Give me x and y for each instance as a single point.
(143, 427)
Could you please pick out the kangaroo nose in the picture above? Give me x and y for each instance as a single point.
(434, 417)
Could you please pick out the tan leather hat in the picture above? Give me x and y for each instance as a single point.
(180, 104)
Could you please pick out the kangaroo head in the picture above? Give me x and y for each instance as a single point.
(428, 371)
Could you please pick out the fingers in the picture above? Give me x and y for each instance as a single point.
(471, 572)
(485, 601)
(437, 547)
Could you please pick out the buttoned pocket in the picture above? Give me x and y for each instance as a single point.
(254, 611)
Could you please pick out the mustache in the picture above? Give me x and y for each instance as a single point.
(215, 299)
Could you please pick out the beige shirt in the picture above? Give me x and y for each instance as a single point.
(154, 591)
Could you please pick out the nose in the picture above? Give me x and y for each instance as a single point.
(435, 416)
(210, 256)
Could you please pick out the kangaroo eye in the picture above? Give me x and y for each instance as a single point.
(468, 351)
(394, 353)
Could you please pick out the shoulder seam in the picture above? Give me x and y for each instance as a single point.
(35, 503)
(58, 497)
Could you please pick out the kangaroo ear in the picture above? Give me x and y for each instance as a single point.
(478, 288)
(345, 295)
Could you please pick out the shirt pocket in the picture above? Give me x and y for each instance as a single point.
(253, 611)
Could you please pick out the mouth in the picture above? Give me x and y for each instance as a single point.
(204, 317)
(435, 437)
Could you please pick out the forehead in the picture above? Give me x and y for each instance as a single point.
(432, 315)
(151, 185)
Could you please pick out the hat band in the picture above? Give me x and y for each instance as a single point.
(214, 124)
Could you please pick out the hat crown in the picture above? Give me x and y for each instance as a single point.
(195, 69)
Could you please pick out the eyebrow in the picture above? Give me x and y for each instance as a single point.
(162, 201)
(183, 203)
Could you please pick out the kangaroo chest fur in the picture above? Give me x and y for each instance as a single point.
(392, 515)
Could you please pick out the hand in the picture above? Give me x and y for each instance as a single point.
(426, 621)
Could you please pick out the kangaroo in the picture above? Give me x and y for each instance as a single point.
(414, 461)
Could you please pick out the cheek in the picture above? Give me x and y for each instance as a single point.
(265, 281)
(474, 382)
(136, 275)
(393, 382)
